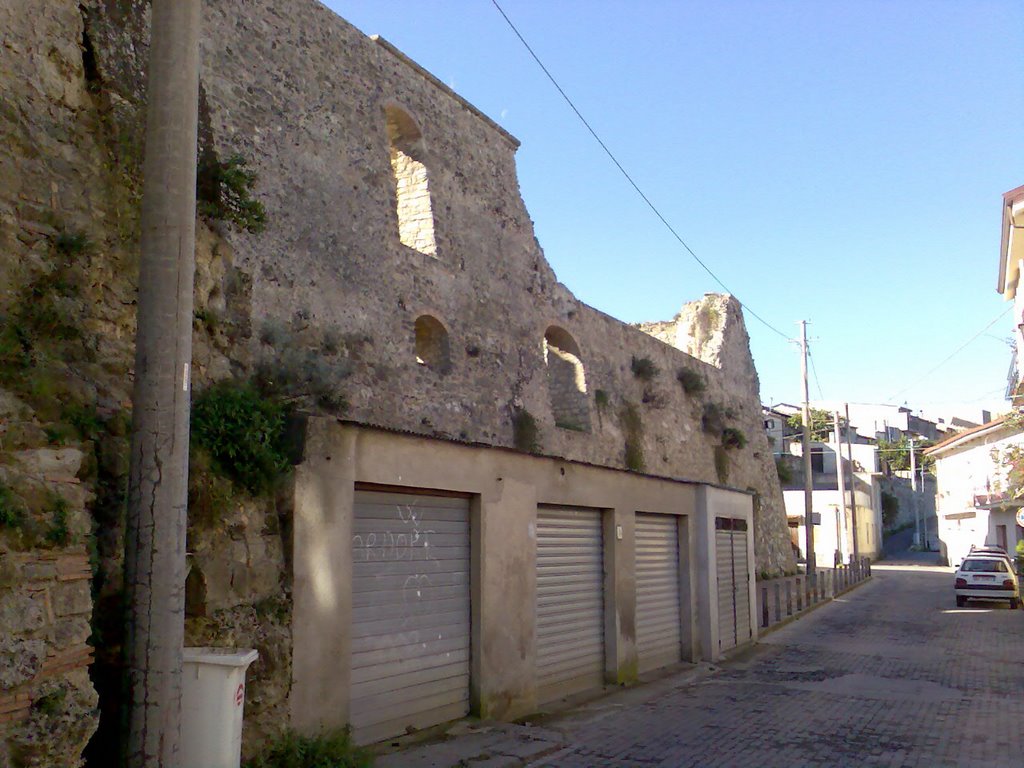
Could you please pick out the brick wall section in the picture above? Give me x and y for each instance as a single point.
(56, 587)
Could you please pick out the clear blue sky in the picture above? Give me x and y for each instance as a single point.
(839, 162)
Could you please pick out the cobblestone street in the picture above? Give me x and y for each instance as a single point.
(891, 674)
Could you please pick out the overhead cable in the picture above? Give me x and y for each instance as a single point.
(952, 354)
(625, 173)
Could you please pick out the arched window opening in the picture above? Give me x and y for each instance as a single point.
(432, 348)
(567, 381)
(412, 189)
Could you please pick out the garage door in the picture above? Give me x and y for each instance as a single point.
(658, 636)
(410, 613)
(733, 582)
(570, 602)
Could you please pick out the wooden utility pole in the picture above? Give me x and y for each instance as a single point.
(158, 477)
(808, 478)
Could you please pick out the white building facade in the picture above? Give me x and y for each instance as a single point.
(977, 497)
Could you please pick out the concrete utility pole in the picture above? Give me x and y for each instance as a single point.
(158, 476)
(808, 479)
(853, 486)
(913, 495)
(843, 541)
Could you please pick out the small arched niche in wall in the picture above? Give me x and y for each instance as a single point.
(432, 349)
(412, 187)
(567, 380)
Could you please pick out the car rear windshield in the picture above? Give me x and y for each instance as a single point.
(984, 565)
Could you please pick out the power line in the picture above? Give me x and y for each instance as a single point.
(625, 173)
(815, 372)
(954, 353)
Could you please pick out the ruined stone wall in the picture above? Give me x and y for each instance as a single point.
(320, 109)
(712, 330)
(327, 297)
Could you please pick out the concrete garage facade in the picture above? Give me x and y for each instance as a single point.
(535, 528)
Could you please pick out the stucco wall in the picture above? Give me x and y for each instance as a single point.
(969, 468)
(506, 488)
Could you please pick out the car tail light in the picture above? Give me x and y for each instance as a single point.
(1007, 583)
(961, 584)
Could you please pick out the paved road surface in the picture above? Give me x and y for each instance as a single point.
(892, 674)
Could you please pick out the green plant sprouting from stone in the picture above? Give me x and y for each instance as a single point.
(722, 463)
(224, 192)
(733, 438)
(890, 510)
(633, 432)
(59, 534)
(12, 509)
(525, 433)
(712, 420)
(643, 368)
(244, 434)
(333, 749)
(691, 381)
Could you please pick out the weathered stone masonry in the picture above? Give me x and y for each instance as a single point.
(399, 260)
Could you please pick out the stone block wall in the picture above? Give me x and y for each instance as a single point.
(48, 706)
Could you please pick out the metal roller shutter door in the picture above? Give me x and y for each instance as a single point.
(726, 590)
(410, 613)
(570, 602)
(658, 635)
(733, 582)
(742, 581)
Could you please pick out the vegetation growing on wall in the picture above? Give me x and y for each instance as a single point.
(691, 381)
(722, 463)
(58, 534)
(643, 368)
(890, 510)
(12, 509)
(44, 313)
(783, 470)
(733, 438)
(633, 432)
(224, 192)
(333, 749)
(712, 420)
(525, 433)
(243, 433)
(654, 397)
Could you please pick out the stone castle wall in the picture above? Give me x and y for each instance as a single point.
(312, 102)
(331, 292)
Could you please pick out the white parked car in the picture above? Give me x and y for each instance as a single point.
(986, 577)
